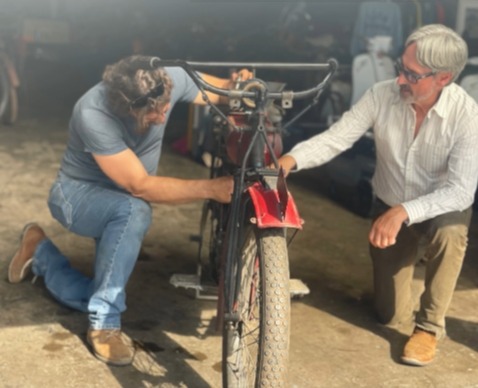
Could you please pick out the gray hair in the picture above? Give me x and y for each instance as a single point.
(440, 49)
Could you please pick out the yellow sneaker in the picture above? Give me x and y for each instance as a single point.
(420, 348)
(110, 347)
(20, 264)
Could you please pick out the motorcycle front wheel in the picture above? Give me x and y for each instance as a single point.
(256, 344)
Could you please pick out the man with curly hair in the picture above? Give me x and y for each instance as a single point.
(104, 188)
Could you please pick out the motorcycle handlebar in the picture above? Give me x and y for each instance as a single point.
(331, 67)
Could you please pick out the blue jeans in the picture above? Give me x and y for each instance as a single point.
(118, 223)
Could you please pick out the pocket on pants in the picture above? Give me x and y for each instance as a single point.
(60, 208)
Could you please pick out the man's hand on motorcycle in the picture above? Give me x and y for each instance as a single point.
(386, 227)
(287, 163)
(240, 76)
(222, 189)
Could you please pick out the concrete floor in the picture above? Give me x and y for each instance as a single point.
(335, 341)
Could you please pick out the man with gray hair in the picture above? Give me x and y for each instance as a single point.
(104, 188)
(426, 137)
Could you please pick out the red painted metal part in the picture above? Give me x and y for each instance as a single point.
(268, 209)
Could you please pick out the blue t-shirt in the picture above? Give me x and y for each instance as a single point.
(95, 129)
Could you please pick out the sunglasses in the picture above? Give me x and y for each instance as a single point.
(410, 76)
(142, 101)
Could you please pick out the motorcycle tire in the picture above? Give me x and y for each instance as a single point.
(256, 345)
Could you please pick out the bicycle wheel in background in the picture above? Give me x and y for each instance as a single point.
(10, 115)
(4, 89)
(213, 225)
(256, 347)
(211, 237)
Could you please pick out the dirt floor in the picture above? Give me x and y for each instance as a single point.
(335, 339)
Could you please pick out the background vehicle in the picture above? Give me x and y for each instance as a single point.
(245, 242)
(9, 81)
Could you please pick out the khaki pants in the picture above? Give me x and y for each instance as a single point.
(444, 239)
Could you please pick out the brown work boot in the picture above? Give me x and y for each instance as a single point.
(420, 348)
(21, 262)
(110, 347)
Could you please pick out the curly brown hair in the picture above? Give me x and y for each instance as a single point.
(131, 78)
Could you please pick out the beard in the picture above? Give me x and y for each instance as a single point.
(409, 96)
(406, 94)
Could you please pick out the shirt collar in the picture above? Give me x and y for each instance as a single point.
(441, 105)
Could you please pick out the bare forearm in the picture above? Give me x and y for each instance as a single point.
(214, 98)
(169, 190)
(222, 83)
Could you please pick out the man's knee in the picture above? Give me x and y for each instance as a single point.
(448, 233)
(450, 226)
(452, 234)
(137, 215)
(449, 240)
(141, 213)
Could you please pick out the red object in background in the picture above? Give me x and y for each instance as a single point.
(237, 142)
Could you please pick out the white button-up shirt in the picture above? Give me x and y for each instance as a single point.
(434, 173)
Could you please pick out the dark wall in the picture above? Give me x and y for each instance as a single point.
(103, 31)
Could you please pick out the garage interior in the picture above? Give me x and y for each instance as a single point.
(59, 49)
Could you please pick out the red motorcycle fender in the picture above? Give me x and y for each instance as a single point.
(268, 209)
